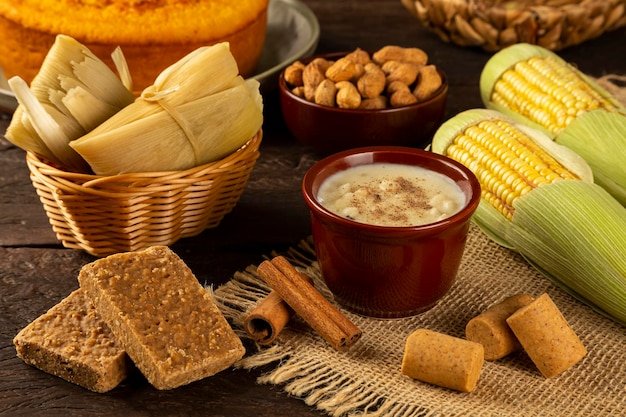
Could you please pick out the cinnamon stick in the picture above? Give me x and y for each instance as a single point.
(309, 304)
(267, 319)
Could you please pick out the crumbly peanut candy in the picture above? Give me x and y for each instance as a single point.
(166, 321)
(72, 342)
(546, 336)
(443, 360)
(491, 330)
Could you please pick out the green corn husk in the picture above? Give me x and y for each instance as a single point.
(598, 134)
(197, 111)
(73, 92)
(571, 231)
(583, 248)
(608, 156)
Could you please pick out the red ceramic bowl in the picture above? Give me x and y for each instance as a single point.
(331, 129)
(389, 272)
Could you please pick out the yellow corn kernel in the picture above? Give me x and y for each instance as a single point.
(547, 92)
(506, 162)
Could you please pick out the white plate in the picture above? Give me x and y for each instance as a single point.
(292, 33)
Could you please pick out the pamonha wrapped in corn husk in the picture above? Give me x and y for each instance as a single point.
(80, 116)
(539, 199)
(73, 92)
(197, 111)
(537, 87)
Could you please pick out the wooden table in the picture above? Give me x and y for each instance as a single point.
(36, 271)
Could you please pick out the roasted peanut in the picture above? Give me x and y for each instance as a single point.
(348, 96)
(325, 93)
(400, 94)
(298, 91)
(372, 82)
(398, 53)
(359, 56)
(359, 70)
(313, 75)
(375, 103)
(322, 63)
(293, 74)
(341, 70)
(428, 81)
(405, 72)
(359, 80)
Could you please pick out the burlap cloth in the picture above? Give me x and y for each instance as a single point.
(366, 380)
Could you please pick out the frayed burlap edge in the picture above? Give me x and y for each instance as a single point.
(366, 380)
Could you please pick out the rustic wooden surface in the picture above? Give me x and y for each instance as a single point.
(36, 272)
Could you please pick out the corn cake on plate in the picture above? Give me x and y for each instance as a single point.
(284, 19)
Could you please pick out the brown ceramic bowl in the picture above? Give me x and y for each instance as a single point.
(332, 129)
(381, 271)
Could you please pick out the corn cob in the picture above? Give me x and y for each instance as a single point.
(528, 165)
(537, 87)
(539, 199)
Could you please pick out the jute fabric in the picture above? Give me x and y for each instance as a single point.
(367, 381)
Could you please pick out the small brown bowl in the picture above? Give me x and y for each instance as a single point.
(331, 129)
(381, 271)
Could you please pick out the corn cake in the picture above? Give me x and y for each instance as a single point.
(166, 321)
(153, 34)
(72, 342)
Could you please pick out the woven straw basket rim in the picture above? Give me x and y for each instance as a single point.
(496, 24)
(103, 215)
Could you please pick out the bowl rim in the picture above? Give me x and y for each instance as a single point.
(284, 89)
(435, 227)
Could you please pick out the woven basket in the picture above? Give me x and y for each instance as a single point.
(496, 24)
(103, 215)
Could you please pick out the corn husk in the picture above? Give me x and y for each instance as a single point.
(73, 92)
(598, 135)
(580, 246)
(197, 111)
(601, 138)
(572, 231)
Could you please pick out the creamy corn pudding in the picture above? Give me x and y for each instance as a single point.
(389, 194)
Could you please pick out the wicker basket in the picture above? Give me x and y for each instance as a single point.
(493, 25)
(103, 215)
